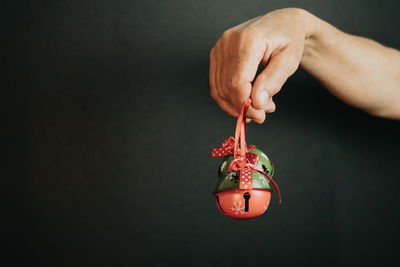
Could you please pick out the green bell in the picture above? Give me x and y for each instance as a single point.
(230, 180)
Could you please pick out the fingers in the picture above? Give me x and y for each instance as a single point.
(213, 80)
(256, 115)
(219, 60)
(233, 65)
(270, 81)
(270, 106)
(241, 56)
(238, 68)
(230, 80)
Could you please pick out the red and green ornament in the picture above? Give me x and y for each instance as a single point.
(243, 190)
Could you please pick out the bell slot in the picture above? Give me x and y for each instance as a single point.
(246, 197)
(219, 205)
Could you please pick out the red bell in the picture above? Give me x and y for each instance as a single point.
(243, 204)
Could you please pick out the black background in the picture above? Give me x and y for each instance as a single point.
(108, 127)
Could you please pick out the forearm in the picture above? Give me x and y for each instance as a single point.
(357, 70)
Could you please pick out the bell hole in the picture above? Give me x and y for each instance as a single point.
(236, 177)
(246, 197)
(265, 169)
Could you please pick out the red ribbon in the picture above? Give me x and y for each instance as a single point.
(227, 148)
(243, 161)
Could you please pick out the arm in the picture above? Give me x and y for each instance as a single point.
(358, 71)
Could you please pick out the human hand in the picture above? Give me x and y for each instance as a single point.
(276, 41)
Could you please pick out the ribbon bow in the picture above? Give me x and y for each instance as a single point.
(239, 161)
(243, 160)
(227, 148)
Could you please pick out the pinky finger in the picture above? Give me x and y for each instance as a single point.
(224, 105)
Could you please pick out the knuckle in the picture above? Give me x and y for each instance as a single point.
(274, 87)
(214, 94)
(212, 53)
(217, 45)
(226, 34)
(222, 94)
(249, 33)
(225, 96)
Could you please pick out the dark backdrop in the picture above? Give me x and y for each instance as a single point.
(108, 126)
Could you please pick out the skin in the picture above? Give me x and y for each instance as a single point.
(359, 71)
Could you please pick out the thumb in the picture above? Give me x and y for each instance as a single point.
(270, 81)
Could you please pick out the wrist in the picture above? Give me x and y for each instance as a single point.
(307, 21)
(320, 36)
(312, 31)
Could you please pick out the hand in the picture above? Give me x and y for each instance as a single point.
(276, 41)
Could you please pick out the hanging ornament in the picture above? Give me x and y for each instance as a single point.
(243, 190)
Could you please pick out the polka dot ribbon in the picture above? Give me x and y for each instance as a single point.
(225, 150)
(243, 160)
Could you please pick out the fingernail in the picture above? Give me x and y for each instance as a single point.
(264, 97)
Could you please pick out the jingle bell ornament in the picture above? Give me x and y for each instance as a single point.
(243, 190)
